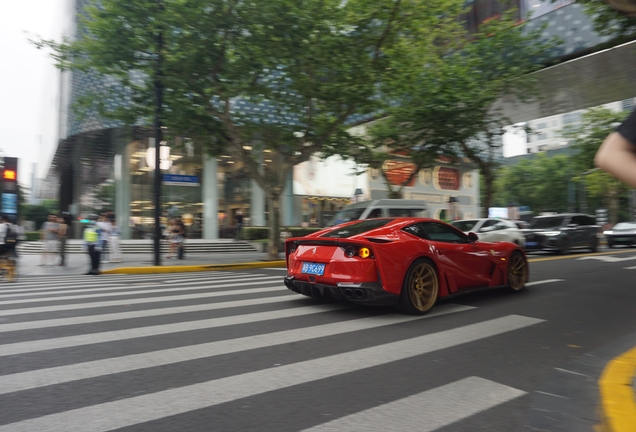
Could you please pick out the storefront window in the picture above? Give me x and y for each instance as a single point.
(180, 189)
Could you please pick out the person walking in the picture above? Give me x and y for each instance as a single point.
(48, 235)
(182, 232)
(115, 254)
(93, 244)
(62, 234)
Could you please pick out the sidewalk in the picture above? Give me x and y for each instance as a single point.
(78, 264)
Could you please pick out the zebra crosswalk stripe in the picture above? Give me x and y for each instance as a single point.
(195, 286)
(126, 301)
(429, 410)
(44, 288)
(134, 410)
(92, 369)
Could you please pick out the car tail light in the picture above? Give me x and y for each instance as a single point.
(350, 251)
(362, 252)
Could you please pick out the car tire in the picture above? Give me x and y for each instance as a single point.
(610, 245)
(517, 271)
(420, 288)
(594, 244)
(564, 248)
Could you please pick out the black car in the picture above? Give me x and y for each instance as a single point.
(562, 232)
(623, 233)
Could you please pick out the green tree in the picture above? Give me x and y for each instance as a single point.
(448, 106)
(542, 183)
(616, 18)
(316, 63)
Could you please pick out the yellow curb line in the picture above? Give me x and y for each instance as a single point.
(194, 268)
(578, 256)
(618, 404)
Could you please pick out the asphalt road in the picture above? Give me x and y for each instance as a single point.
(237, 351)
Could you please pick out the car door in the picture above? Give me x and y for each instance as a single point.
(578, 231)
(462, 260)
(487, 231)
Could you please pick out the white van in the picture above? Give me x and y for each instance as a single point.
(381, 208)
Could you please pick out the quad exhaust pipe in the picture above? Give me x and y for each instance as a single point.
(353, 293)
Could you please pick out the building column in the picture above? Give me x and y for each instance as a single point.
(257, 205)
(122, 190)
(210, 195)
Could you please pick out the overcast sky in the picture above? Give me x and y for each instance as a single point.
(29, 83)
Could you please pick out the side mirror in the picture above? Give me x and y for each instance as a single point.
(472, 237)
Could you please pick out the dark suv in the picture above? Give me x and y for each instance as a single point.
(562, 232)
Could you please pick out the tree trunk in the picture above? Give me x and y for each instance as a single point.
(274, 226)
(489, 181)
(613, 206)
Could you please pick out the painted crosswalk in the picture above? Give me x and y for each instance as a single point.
(163, 347)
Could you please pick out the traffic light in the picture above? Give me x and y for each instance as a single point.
(10, 175)
(9, 203)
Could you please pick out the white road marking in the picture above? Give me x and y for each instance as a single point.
(110, 287)
(544, 282)
(135, 410)
(429, 410)
(60, 322)
(156, 330)
(167, 289)
(92, 369)
(127, 302)
(607, 258)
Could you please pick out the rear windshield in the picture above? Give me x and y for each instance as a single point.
(547, 222)
(465, 225)
(347, 216)
(625, 226)
(356, 228)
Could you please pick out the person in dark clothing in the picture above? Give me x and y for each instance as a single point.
(617, 154)
(239, 225)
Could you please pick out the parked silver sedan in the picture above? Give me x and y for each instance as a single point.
(492, 230)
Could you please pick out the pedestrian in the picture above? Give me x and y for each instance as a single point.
(62, 235)
(93, 243)
(48, 235)
(115, 254)
(182, 232)
(175, 237)
(617, 154)
(4, 230)
(104, 226)
(239, 225)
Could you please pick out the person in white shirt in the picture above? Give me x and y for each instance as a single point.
(4, 225)
(105, 228)
(115, 254)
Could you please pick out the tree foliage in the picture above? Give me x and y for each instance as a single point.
(612, 18)
(448, 106)
(316, 63)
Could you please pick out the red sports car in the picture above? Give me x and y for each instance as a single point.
(406, 261)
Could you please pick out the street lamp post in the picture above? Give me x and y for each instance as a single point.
(158, 139)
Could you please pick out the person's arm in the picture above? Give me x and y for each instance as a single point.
(617, 154)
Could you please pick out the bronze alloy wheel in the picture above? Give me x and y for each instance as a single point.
(517, 272)
(423, 286)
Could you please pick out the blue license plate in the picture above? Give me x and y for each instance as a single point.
(530, 244)
(313, 268)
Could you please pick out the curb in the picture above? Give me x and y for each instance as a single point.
(194, 268)
(616, 387)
